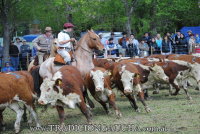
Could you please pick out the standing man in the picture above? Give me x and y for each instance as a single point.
(133, 46)
(65, 42)
(25, 54)
(122, 42)
(1, 56)
(18, 43)
(43, 43)
(14, 55)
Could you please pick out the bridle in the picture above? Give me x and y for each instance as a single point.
(86, 50)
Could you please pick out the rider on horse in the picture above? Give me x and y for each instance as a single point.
(65, 42)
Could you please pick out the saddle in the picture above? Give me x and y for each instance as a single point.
(59, 60)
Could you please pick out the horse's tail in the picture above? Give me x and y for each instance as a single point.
(37, 80)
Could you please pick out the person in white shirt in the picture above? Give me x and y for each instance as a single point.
(18, 43)
(65, 42)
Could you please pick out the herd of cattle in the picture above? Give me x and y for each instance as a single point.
(133, 77)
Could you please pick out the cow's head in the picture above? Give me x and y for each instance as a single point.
(51, 92)
(158, 73)
(195, 71)
(98, 79)
(127, 78)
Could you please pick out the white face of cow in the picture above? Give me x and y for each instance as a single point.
(98, 79)
(48, 95)
(127, 80)
(51, 92)
(158, 73)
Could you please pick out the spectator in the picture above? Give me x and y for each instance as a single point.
(133, 46)
(158, 41)
(189, 32)
(25, 54)
(192, 44)
(43, 43)
(14, 55)
(122, 42)
(166, 47)
(1, 56)
(177, 43)
(8, 68)
(18, 43)
(111, 47)
(197, 39)
(183, 45)
(153, 45)
(170, 37)
(144, 48)
(147, 38)
(112, 35)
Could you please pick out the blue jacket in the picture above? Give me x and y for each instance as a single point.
(8, 69)
(112, 46)
(25, 50)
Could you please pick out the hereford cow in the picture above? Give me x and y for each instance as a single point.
(65, 89)
(15, 88)
(127, 80)
(176, 73)
(99, 84)
(193, 61)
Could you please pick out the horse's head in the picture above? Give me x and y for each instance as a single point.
(94, 41)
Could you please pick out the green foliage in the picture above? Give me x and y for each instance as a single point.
(149, 15)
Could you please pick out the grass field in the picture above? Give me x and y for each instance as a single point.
(175, 114)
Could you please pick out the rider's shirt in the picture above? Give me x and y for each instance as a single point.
(44, 42)
(62, 36)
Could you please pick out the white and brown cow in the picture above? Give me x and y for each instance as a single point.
(65, 89)
(99, 84)
(15, 89)
(127, 79)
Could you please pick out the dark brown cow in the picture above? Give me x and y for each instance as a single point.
(127, 79)
(99, 84)
(65, 89)
(16, 88)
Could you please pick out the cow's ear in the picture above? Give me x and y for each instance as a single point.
(91, 73)
(107, 73)
(58, 82)
(136, 75)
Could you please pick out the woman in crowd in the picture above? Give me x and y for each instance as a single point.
(154, 47)
(158, 40)
(192, 44)
(144, 48)
(183, 45)
(166, 47)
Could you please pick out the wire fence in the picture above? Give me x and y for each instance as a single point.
(21, 62)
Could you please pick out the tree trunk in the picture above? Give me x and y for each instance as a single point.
(128, 25)
(6, 41)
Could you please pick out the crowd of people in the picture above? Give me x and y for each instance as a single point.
(20, 52)
(129, 46)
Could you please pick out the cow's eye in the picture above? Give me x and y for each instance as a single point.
(48, 89)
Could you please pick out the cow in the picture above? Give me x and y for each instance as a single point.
(127, 80)
(99, 84)
(65, 89)
(16, 89)
(193, 61)
(176, 73)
